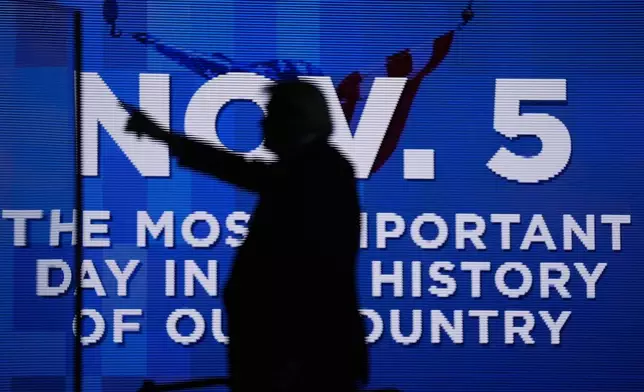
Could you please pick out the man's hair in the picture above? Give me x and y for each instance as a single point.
(302, 106)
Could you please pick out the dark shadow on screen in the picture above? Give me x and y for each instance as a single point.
(288, 330)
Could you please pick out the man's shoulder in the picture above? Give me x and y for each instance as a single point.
(343, 162)
(332, 161)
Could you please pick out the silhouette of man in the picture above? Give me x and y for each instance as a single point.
(291, 299)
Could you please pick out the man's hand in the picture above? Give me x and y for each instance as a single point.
(399, 65)
(140, 124)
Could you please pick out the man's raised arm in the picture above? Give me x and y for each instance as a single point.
(202, 157)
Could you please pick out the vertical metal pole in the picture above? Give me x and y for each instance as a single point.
(78, 259)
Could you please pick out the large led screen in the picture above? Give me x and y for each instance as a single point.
(499, 165)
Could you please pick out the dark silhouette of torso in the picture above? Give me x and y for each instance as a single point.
(291, 297)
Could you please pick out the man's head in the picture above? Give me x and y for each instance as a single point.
(297, 115)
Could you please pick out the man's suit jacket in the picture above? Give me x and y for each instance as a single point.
(291, 298)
